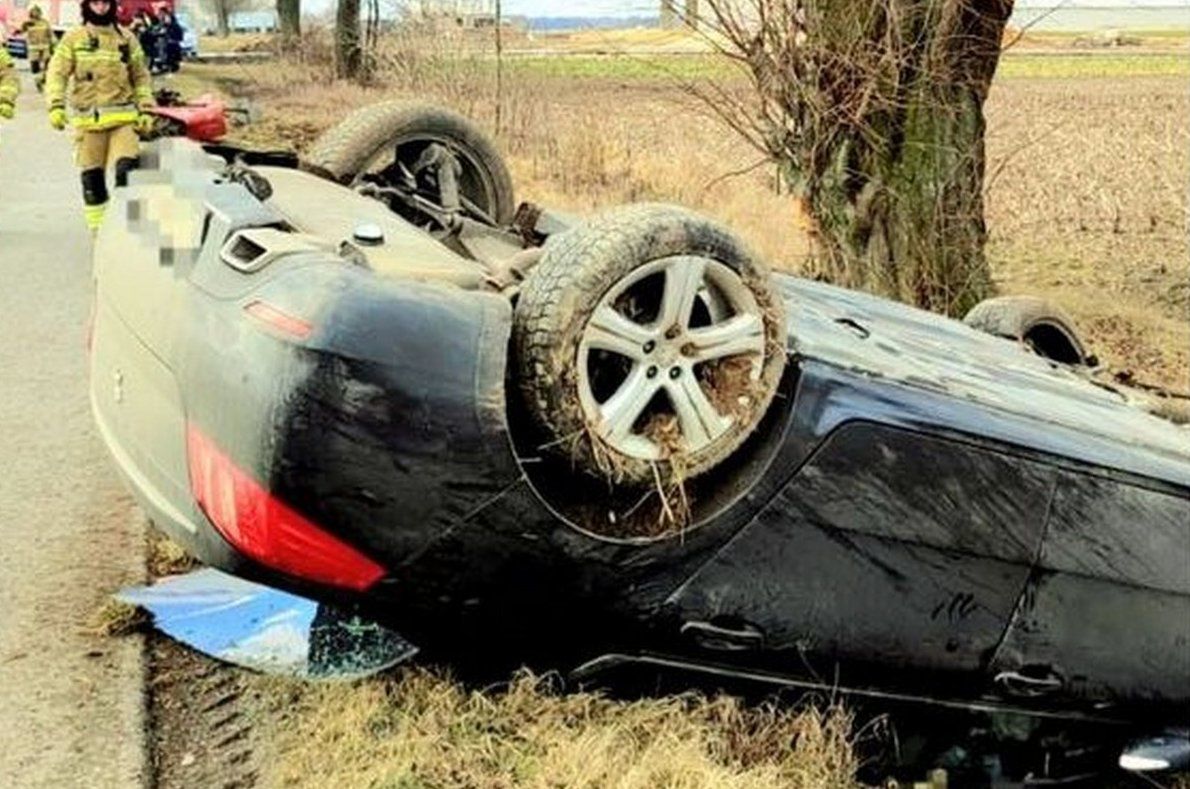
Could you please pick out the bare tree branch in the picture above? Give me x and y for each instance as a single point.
(873, 111)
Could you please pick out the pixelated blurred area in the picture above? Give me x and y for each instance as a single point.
(177, 169)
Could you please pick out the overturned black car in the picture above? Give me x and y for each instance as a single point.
(368, 377)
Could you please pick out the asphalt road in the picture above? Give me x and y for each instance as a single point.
(71, 702)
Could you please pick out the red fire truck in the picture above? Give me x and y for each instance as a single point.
(62, 14)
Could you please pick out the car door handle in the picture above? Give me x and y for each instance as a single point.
(736, 637)
(1018, 684)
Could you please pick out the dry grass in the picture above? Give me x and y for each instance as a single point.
(115, 618)
(236, 42)
(419, 730)
(165, 557)
(1176, 410)
(1089, 208)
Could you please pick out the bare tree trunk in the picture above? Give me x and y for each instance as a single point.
(289, 16)
(348, 58)
(222, 19)
(371, 40)
(874, 108)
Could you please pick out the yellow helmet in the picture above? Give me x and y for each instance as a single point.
(35, 12)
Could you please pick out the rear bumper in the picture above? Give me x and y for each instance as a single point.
(385, 427)
(153, 500)
(181, 520)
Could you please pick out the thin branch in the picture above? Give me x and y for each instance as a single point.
(1020, 33)
(711, 184)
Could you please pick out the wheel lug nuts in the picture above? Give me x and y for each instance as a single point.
(649, 346)
(651, 372)
(675, 373)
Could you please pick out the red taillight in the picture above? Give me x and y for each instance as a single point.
(277, 319)
(263, 528)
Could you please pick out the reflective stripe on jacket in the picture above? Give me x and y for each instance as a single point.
(106, 117)
(106, 73)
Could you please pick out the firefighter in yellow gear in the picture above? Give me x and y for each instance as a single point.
(110, 93)
(10, 84)
(39, 38)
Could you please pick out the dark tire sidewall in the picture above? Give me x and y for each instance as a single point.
(1015, 317)
(344, 150)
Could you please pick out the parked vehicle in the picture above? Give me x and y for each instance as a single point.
(62, 15)
(370, 378)
(17, 46)
(189, 35)
(127, 10)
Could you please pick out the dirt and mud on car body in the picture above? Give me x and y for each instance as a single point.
(370, 381)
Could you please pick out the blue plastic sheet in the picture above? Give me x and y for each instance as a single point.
(265, 629)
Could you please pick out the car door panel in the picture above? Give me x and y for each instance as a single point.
(887, 545)
(1108, 607)
(1104, 641)
(1119, 532)
(828, 592)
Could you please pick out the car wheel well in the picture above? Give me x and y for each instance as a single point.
(1052, 342)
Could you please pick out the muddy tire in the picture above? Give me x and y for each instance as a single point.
(371, 138)
(648, 341)
(1034, 322)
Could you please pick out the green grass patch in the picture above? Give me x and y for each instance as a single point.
(624, 67)
(1023, 65)
(1014, 65)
